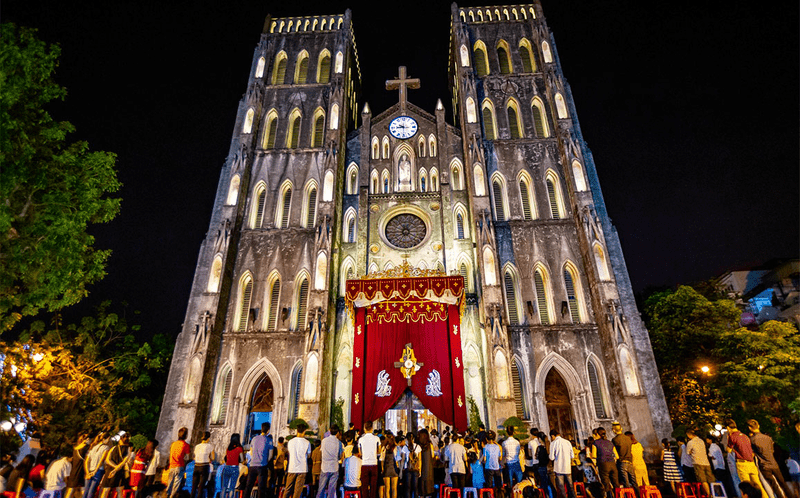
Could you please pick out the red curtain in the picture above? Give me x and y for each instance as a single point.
(381, 333)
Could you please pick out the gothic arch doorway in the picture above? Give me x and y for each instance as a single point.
(261, 406)
(559, 409)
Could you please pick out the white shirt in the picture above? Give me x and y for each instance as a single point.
(561, 454)
(533, 444)
(511, 449)
(202, 453)
(154, 464)
(368, 444)
(352, 472)
(686, 458)
(455, 456)
(299, 449)
(95, 457)
(331, 449)
(715, 452)
(56, 477)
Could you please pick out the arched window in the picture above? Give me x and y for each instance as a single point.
(464, 272)
(464, 56)
(472, 115)
(279, 70)
(312, 372)
(548, 56)
(310, 217)
(301, 304)
(503, 59)
(321, 272)
(489, 127)
(423, 178)
(375, 148)
(580, 179)
(215, 274)
(294, 391)
(284, 206)
(480, 182)
(245, 294)
(319, 128)
(489, 266)
(248, 121)
(221, 394)
(324, 67)
(455, 175)
(561, 107)
(520, 391)
(542, 300)
(629, 372)
(539, 121)
(597, 394)
(274, 301)
(434, 180)
(526, 54)
(554, 196)
(600, 260)
(350, 235)
(374, 183)
(327, 187)
(385, 182)
(498, 192)
(526, 198)
(501, 375)
(334, 117)
(260, 67)
(346, 274)
(339, 62)
(421, 146)
(352, 179)
(233, 191)
(511, 298)
(257, 214)
(459, 226)
(293, 137)
(572, 299)
(479, 56)
(514, 123)
(271, 130)
(432, 145)
(385, 147)
(301, 68)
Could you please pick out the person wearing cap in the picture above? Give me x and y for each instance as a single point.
(622, 445)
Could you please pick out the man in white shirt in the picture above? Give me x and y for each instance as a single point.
(352, 471)
(511, 450)
(456, 456)
(561, 454)
(57, 473)
(531, 462)
(299, 450)
(331, 449)
(368, 447)
(492, 453)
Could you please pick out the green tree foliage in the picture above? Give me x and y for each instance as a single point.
(752, 373)
(63, 380)
(51, 189)
(474, 414)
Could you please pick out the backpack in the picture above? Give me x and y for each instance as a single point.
(415, 460)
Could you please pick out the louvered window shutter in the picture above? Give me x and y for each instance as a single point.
(244, 309)
(597, 396)
(460, 226)
(287, 203)
(312, 208)
(538, 122)
(262, 197)
(517, 381)
(351, 230)
(502, 56)
(499, 212)
(319, 131)
(272, 133)
(525, 55)
(541, 298)
(295, 133)
(280, 73)
(573, 302)
(526, 201)
(480, 62)
(273, 305)
(325, 70)
(488, 123)
(302, 305)
(511, 298)
(513, 124)
(226, 392)
(551, 194)
(302, 73)
(463, 271)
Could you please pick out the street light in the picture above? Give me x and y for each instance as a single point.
(6, 425)
(705, 369)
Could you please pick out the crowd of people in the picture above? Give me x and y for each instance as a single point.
(382, 464)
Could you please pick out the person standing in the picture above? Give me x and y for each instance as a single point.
(179, 453)
(390, 471)
(531, 462)
(639, 465)
(740, 445)
(148, 471)
(77, 477)
(352, 471)
(413, 465)
(115, 463)
(260, 454)
(331, 450)
(763, 447)
(492, 455)
(203, 455)
(234, 455)
(718, 464)
(316, 463)
(368, 448)
(561, 454)
(687, 465)
(696, 449)
(456, 457)
(299, 450)
(427, 461)
(511, 453)
(95, 468)
(604, 453)
(58, 472)
(622, 445)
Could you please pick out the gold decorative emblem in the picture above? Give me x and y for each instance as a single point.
(458, 363)
(460, 403)
(356, 398)
(375, 208)
(434, 206)
(405, 270)
(437, 246)
(408, 363)
(455, 329)
(374, 248)
(358, 362)
(358, 330)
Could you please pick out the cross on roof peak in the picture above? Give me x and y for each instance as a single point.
(402, 83)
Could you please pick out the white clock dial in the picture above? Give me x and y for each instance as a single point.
(403, 127)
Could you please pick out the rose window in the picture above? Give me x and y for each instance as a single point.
(405, 231)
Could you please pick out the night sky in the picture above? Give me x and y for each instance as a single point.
(690, 109)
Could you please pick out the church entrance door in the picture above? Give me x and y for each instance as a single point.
(559, 408)
(409, 415)
(261, 404)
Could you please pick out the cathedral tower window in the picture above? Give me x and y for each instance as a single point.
(520, 391)
(479, 56)
(385, 180)
(274, 286)
(319, 128)
(629, 372)
(301, 68)
(511, 293)
(385, 147)
(310, 211)
(514, 123)
(257, 214)
(301, 304)
(423, 180)
(294, 391)
(489, 271)
(480, 181)
(561, 107)
(489, 126)
(459, 225)
(500, 202)
(339, 62)
(324, 67)
(293, 137)
(350, 226)
(472, 116)
(526, 198)
(233, 191)
(432, 145)
(215, 274)
(600, 260)
(501, 374)
(243, 310)
(284, 206)
(352, 179)
(434, 180)
(321, 272)
(334, 117)
(327, 187)
(554, 195)
(464, 52)
(540, 282)
(222, 393)
(580, 178)
(548, 56)
(526, 55)
(375, 148)
(456, 175)
(271, 130)
(539, 121)
(374, 182)
(570, 278)
(248, 121)
(462, 270)
(598, 400)
(503, 59)
(421, 146)
(260, 67)
(279, 70)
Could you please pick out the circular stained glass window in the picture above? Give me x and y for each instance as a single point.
(405, 231)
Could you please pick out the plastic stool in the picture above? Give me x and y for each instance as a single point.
(306, 491)
(486, 491)
(352, 494)
(542, 493)
(9, 494)
(474, 493)
(718, 490)
(624, 493)
(650, 492)
(699, 491)
(579, 488)
(443, 491)
(56, 493)
(686, 490)
(129, 493)
(449, 492)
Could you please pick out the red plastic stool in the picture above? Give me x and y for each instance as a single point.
(449, 492)
(699, 490)
(579, 488)
(128, 493)
(542, 494)
(9, 494)
(718, 490)
(486, 491)
(443, 491)
(686, 490)
(624, 493)
(650, 492)
(352, 494)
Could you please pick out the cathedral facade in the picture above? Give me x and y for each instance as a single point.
(317, 190)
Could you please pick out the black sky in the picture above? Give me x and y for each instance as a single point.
(690, 109)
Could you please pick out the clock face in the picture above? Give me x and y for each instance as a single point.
(403, 127)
